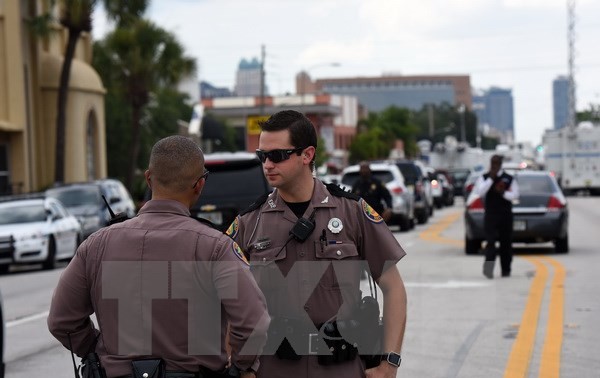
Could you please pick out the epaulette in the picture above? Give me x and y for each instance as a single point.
(338, 191)
(207, 223)
(256, 204)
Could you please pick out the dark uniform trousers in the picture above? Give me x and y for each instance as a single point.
(499, 227)
(498, 223)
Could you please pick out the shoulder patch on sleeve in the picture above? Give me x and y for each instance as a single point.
(239, 254)
(233, 228)
(370, 213)
(256, 204)
(337, 191)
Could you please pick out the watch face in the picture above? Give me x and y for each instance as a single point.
(393, 359)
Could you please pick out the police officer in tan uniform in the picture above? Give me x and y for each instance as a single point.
(300, 239)
(162, 285)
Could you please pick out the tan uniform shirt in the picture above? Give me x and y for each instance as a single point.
(161, 284)
(345, 230)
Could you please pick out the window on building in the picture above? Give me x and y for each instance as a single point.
(4, 173)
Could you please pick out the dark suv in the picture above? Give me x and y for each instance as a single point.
(236, 180)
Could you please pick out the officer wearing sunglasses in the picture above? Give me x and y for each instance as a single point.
(302, 222)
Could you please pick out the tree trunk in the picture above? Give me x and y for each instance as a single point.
(135, 146)
(61, 111)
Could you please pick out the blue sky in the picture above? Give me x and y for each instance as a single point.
(516, 44)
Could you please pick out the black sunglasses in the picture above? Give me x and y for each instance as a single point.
(204, 176)
(277, 156)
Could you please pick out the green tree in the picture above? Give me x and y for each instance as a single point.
(592, 114)
(76, 17)
(140, 60)
(378, 132)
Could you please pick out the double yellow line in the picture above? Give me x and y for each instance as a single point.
(522, 350)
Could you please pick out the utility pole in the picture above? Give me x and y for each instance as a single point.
(572, 121)
(431, 125)
(262, 80)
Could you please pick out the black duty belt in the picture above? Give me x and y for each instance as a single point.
(175, 374)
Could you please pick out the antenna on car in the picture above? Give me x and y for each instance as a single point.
(114, 218)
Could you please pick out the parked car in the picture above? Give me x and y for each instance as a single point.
(459, 176)
(84, 200)
(391, 176)
(2, 332)
(447, 198)
(540, 215)
(39, 230)
(419, 186)
(470, 183)
(236, 180)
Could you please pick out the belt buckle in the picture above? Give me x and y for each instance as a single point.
(310, 343)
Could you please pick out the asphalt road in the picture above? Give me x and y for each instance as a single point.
(540, 322)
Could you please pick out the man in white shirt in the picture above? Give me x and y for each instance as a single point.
(498, 190)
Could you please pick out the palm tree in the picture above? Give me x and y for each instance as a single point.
(145, 58)
(76, 17)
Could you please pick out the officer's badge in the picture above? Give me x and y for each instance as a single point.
(335, 225)
(239, 254)
(233, 228)
(370, 213)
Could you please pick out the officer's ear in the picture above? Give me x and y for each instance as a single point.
(148, 178)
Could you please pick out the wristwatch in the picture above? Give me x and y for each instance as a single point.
(393, 359)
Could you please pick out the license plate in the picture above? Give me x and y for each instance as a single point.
(215, 217)
(519, 225)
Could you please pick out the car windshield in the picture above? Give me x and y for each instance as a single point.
(22, 214)
(72, 197)
(410, 173)
(535, 184)
(351, 177)
(231, 180)
(459, 175)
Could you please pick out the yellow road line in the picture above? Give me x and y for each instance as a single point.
(433, 232)
(550, 361)
(522, 350)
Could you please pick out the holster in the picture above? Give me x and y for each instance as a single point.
(340, 349)
(148, 368)
(371, 332)
(91, 368)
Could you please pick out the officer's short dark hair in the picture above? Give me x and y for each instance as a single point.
(302, 131)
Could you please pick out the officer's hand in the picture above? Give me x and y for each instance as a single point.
(384, 370)
(246, 374)
(387, 214)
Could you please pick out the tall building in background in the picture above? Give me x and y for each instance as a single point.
(495, 112)
(560, 101)
(207, 90)
(247, 79)
(413, 92)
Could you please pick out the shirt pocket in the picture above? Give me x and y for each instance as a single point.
(263, 265)
(345, 266)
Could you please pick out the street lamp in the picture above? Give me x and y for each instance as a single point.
(305, 75)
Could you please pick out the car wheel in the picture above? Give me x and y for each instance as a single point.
(404, 223)
(50, 262)
(561, 245)
(422, 216)
(4, 268)
(472, 246)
